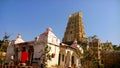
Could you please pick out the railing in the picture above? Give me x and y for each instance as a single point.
(7, 66)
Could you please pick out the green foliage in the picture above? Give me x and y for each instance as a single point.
(78, 52)
(47, 49)
(6, 37)
(102, 66)
(87, 56)
(90, 61)
(47, 55)
(107, 46)
(1, 42)
(4, 43)
(3, 47)
(116, 47)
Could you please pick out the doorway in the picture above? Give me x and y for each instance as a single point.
(30, 54)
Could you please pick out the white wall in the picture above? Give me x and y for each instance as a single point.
(38, 50)
(10, 52)
(53, 61)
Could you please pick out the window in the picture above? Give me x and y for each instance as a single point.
(63, 57)
(59, 59)
(70, 32)
(72, 61)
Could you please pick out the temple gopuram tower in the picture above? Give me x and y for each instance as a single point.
(75, 29)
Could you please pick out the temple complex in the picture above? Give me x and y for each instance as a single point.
(46, 50)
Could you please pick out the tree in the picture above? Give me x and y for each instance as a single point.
(3, 47)
(4, 43)
(45, 56)
(116, 47)
(6, 37)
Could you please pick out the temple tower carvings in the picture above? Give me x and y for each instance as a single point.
(75, 29)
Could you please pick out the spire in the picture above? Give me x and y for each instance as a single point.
(80, 13)
(75, 28)
(49, 29)
(19, 35)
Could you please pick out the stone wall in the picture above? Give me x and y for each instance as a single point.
(111, 59)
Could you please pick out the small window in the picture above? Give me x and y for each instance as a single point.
(63, 57)
(59, 59)
(72, 61)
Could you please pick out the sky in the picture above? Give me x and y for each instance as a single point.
(30, 18)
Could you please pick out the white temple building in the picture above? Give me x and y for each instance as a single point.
(46, 49)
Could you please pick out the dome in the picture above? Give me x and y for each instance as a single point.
(18, 39)
(19, 35)
(49, 29)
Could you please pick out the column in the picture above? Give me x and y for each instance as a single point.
(70, 59)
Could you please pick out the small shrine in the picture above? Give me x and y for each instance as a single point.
(45, 49)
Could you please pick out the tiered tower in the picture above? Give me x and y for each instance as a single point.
(75, 29)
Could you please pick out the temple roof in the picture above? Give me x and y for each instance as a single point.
(49, 37)
(18, 39)
(75, 46)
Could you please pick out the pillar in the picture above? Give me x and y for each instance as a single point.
(70, 58)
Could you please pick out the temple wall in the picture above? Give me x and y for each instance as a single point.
(38, 50)
(10, 52)
(111, 59)
(54, 52)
